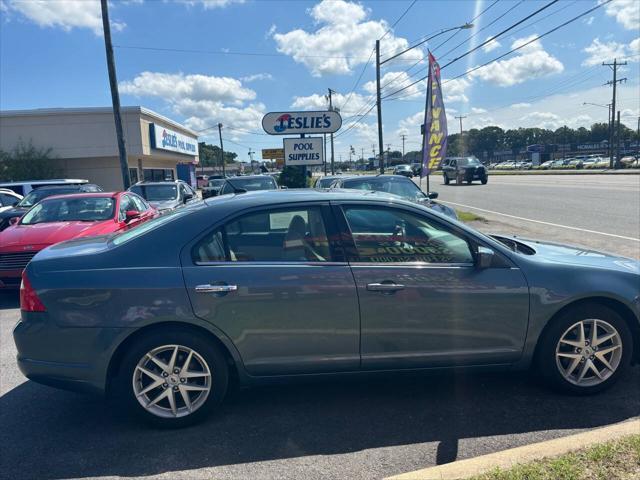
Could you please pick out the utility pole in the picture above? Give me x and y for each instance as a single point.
(224, 171)
(403, 136)
(379, 106)
(614, 66)
(618, 142)
(325, 153)
(332, 154)
(461, 135)
(362, 148)
(115, 95)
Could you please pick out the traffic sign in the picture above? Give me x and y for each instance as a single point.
(273, 153)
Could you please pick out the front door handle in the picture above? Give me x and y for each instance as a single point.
(215, 288)
(384, 287)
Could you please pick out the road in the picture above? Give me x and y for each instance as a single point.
(356, 429)
(594, 211)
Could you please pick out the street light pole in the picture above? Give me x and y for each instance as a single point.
(115, 96)
(332, 154)
(378, 92)
(224, 172)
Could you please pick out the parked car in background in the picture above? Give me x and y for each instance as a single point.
(276, 285)
(165, 196)
(25, 186)
(213, 187)
(11, 214)
(576, 163)
(202, 180)
(404, 170)
(546, 165)
(59, 218)
(464, 169)
(8, 199)
(397, 185)
(417, 169)
(249, 183)
(327, 181)
(629, 161)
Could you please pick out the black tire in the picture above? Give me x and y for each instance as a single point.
(123, 392)
(545, 361)
(484, 180)
(446, 179)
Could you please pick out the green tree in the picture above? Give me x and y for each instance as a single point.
(210, 155)
(27, 162)
(292, 177)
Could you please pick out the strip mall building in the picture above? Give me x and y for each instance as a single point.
(83, 142)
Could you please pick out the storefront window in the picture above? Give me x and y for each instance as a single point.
(133, 175)
(158, 174)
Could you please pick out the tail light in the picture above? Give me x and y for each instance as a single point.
(29, 301)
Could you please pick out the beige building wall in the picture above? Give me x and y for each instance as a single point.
(84, 142)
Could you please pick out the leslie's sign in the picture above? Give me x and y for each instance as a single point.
(164, 139)
(295, 123)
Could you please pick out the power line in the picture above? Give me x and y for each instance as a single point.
(359, 78)
(398, 20)
(507, 53)
(222, 52)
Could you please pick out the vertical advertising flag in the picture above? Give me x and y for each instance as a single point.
(434, 140)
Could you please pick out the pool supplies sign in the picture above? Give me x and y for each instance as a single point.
(303, 151)
(164, 139)
(297, 123)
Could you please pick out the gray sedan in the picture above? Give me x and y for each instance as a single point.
(263, 286)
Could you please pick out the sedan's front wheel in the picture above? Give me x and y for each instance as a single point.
(585, 350)
(172, 378)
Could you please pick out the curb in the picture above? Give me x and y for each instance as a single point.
(528, 453)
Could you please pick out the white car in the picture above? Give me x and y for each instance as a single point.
(8, 199)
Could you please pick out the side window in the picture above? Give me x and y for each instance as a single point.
(8, 200)
(140, 204)
(387, 235)
(284, 235)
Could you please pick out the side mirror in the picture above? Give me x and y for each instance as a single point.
(131, 215)
(14, 220)
(484, 257)
(432, 195)
(187, 197)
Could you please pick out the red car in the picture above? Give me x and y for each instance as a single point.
(63, 217)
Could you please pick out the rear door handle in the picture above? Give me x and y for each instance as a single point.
(215, 288)
(384, 287)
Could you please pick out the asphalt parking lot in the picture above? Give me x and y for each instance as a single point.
(593, 211)
(359, 428)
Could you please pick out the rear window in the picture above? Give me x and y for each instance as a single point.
(147, 226)
(40, 193)
(264, 183)
(156, 193)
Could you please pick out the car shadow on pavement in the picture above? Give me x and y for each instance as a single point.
(46, 433)
(9, 299)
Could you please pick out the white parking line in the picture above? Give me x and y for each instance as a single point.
(540, 221)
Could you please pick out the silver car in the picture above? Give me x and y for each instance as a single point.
(263, 286)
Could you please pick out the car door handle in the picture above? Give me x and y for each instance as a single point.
(215, 288)
(384, 287)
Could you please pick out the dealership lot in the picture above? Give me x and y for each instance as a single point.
(600, 211)
(364, 428)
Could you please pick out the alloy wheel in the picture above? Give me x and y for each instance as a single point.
(172, 381)
(589, 352)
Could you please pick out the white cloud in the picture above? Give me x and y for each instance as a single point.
(210, 4)
(491, 46)
(343, 41)
(392, 81)
(411, 125)
(626, 13)
(606, 51)
(256, 76)
(532, 61)
(64, 14)
(478, 110)
(356, 104)
(203, 100)
(589, 20)
(455, 90)
(272, 29)
(521, 105)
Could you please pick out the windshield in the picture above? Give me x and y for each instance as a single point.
(256, 183)
(218, 182)
(92, 209)
(36, 195)
(405, 189)
(325, 182)
(156, 193)
(468, 161)
(403, 167)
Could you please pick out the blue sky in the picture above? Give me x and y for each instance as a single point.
(189, 67)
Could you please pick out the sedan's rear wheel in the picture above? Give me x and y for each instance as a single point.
(585, 350)
(446, 179)
(172, 378)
